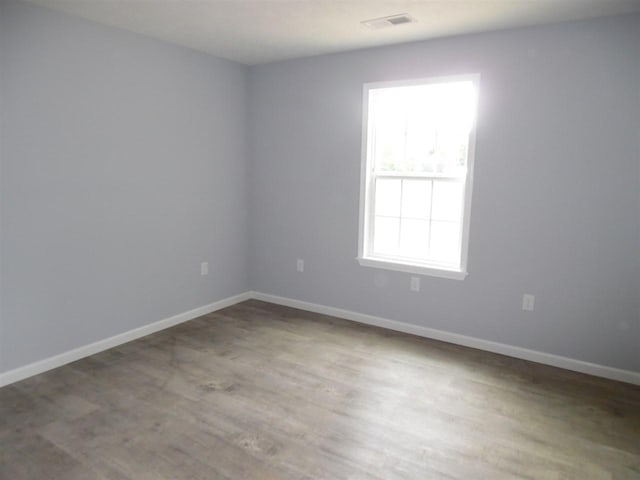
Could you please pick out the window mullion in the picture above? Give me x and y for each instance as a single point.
(400, 214)
(430, 219)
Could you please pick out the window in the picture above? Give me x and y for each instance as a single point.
(417, 166)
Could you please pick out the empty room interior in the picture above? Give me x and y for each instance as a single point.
(299, 240)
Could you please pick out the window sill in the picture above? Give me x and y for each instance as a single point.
(412, 268)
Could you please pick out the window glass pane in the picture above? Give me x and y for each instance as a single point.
(444, 243)
(451, 149)
(414, 238)
(421, 140)
(453, 104)
(389, 127)
(388, 197)
(416, 198)
(389, 148)
(386, 235)
(447, 201)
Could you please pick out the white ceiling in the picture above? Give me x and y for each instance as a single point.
(254, 32)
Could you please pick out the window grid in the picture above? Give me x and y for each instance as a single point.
(400, 217)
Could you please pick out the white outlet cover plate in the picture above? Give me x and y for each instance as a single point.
(528, 302)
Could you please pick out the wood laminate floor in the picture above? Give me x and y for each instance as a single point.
(258, 391)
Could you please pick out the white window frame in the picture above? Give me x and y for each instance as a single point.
(367, 189)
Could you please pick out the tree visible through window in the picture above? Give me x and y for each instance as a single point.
(417, 174)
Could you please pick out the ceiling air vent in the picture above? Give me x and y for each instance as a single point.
(390, 21)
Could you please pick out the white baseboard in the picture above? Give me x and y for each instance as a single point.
(41, 366)
(501, 348)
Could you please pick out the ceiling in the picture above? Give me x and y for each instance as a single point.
(254, 32)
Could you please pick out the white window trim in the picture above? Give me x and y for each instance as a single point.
(365, 192)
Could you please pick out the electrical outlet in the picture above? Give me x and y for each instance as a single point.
(204, 268)
(415, 284)
(300, 265)
(528, 302)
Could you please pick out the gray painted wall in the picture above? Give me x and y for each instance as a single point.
(556, 193)
(123, 167)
